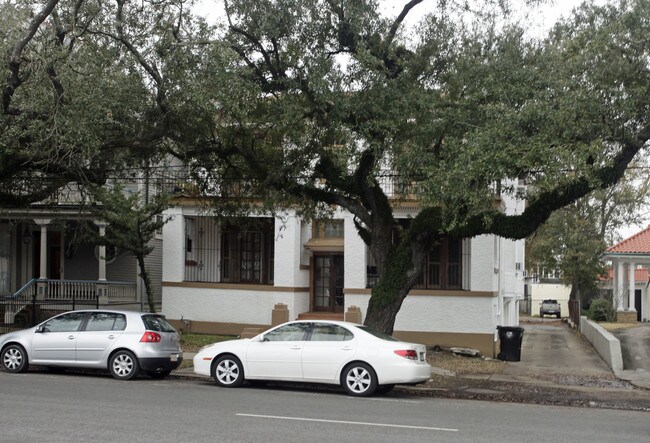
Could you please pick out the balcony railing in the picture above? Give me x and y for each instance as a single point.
(182, 183)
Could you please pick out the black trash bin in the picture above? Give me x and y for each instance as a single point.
(510, 337)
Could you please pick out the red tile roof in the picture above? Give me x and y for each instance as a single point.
(639, 243)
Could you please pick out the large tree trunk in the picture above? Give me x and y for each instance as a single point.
(402, 265)
(399, 265)
(382, 319)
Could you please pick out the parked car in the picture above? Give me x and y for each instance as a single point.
(550, 307)
(362, 361)
(123, 342)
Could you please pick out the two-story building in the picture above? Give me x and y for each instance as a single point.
(226, 277)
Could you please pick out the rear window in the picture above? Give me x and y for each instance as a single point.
(377, 334)
(157, 323)
(550, 301)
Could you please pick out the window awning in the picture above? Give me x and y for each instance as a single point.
(325, 244)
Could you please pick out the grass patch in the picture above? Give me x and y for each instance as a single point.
(193, 342)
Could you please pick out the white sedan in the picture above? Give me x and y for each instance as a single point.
(333, 352)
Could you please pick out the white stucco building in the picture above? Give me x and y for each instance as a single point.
(225, 278)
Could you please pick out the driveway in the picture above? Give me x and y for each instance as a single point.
(551, 347)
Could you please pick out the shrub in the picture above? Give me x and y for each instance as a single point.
(600, 310)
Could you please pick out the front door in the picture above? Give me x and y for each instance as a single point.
(328, 283)
(637, 303)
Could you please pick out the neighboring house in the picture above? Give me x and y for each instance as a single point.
(225, 278)
(630, 260)
(546, 290)
(39, 262)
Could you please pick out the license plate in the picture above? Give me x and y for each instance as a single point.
(173, 357)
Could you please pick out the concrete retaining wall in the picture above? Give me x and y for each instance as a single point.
(608, 346)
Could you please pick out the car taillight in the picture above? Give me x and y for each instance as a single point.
(411, 354)
(150, 337)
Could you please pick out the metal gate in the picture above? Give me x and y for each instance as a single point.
(17, 313)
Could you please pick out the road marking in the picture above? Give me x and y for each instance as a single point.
(385, 425)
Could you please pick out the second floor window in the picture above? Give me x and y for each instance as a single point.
(328, 228)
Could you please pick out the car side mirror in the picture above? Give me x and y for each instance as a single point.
(40, 329)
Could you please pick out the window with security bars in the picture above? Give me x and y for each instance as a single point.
(247, 253)
(228, 252)
(442, 267)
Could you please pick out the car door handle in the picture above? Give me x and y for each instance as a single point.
(111, 336)
(71, 337)
(295, 348)
(346, 348)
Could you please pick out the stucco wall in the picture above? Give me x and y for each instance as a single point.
(288, 251)
(354, 258)
(482, 266)
(462, 314)
(229, 305)
(173, 246)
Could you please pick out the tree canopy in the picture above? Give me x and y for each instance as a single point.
(89, 87)
(319, 101)
(315, 103)
(574, 237)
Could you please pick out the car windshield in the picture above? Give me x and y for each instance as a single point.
(157, 323)
(377, 334)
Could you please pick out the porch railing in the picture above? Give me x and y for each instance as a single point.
(88, 290)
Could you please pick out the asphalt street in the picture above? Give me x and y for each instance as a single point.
(39, 406)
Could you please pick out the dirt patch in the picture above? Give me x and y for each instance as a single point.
(462, 377)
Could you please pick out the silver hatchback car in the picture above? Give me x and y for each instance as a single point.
(124, 342)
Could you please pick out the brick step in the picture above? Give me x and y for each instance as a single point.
(321, 316)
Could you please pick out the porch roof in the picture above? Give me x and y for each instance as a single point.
(638, 244)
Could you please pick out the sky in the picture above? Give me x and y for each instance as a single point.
(547, 16)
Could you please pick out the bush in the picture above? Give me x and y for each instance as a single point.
(601, 310)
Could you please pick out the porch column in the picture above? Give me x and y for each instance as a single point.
(619, 285)
(43, 264)
(631, 283)
(41, 286)
(102, 252)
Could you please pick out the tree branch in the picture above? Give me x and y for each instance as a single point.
(398, 21)
(13, 80)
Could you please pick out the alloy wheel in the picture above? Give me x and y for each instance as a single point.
(227, 372)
